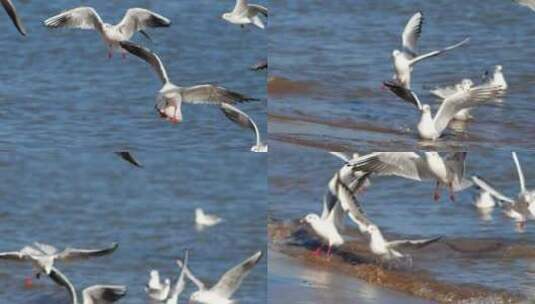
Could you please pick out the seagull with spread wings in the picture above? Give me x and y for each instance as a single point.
(170, 97)
(466, 97)
(135, 20)
(405, 59)
(245, 13)
(228, 284)
(12, 12)
(97, 294)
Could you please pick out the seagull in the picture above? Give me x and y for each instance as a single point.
(244, 13)
(526, 3)
(163, 292)
(206, 220)
(448, 91)
(430, 127)
(389, 250)
(135, 20)
(12, 12)
(227, 285)
(129, 158)
(447, 171)
(327, 226)
(170, 96)
(261, 65)
(484, 200)
(97, 294)
(239, 117)
(405, 59)
(43, 256)
(155, 289)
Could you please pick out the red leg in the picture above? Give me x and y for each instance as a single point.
(28, 282)
(318, 251)
(329, 251)
(436, 195)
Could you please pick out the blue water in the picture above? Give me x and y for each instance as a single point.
(298, 180)
(86, 199)
(59, 90)
(344, 48)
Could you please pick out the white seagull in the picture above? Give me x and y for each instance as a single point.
(498, 79)
(206, 220)
(97, 294)
(228, 284)
(155, 289)
(447, 171)
(12, 12)
(244, 13)
(43, 256)
(445, 92)
(405, 59)
(431, 128)
(170, 97)
(135, 20)
(243, 120)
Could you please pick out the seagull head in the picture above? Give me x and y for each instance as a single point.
(373, 229)
(498, 68)
(467, 83)
(310, 218)
(396, 53)
(426, 108)
(225, 16)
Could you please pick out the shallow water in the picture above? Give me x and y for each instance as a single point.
(344, 48)
(289, 281)
(298, 179)
(87, 199)
(58, 88)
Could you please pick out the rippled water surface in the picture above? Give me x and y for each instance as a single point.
(86, 199)
(59, 89)
(342, 50)
(298, 180)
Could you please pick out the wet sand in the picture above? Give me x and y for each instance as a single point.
(353, 259)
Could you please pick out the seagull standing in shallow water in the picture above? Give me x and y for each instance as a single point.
(244, 13)
(135, 20)
(206, 220)
(170, 97)
(12, 12)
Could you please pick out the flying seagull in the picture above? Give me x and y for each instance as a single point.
(431, 128)
(228, 284)
(170, 97)
(97, 294)
(43, 256)
(12, 12)
(244, 13)
(405, 59)
(135, 20)
(239, 117)
(261, 65)
(129, 158)
(447, 171)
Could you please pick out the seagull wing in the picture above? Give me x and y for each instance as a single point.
(413, 243)
(239, 117)
(403, 93)
(483, 184)
(200, 285)
(526, 3)
(444, 92)
(138, 19)
(404, 164)
(438, 52)
(180, 284)
(211, 94)
(412, 32)
(81, 17)
(343, 156)
(149, 57)
(520, 173)
(232, 279)
(351, 205)
(13, 256)
(105, 294)
(12, 12)
(73, 253)
(59, 278)
(129, 158)
(462, 100)
(255, 9)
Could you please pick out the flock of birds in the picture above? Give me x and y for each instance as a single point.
(449, 171)
(171, 96)
(456, 101)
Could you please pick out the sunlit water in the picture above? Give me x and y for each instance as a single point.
(298, 180)
(344, 48)
(58, 89)
(83, 199)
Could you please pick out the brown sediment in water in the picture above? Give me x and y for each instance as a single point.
(354, 259)
(325, 144)
(280, 86)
